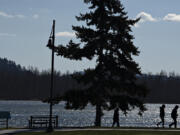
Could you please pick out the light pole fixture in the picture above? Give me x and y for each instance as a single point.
(52, 47)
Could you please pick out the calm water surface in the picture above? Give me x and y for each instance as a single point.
(22, 110)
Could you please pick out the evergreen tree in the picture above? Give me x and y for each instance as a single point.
(107, 38)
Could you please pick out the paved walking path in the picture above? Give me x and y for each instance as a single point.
(8, 131)
(14, 131)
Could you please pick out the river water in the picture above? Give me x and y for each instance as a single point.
(22, 110)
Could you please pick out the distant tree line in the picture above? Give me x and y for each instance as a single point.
(20, 83)
(163, 87)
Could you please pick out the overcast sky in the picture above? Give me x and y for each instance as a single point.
(25, 27)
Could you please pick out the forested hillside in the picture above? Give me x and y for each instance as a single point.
(162, 88)
(20, 83)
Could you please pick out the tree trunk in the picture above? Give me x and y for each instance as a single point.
(99, 114)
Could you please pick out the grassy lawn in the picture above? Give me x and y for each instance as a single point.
(105, 133)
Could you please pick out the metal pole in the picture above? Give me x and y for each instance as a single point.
(50, 128)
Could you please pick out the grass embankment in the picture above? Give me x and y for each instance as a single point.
(105, 133)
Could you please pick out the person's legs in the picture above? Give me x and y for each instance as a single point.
(118, 123)
(158, 123)
(175, 123)
(171, 124)
(162, 119)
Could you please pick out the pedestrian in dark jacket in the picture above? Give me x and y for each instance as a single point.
(174, 116)
(116, 117)
(161, 115)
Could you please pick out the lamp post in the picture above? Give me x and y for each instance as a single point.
(52, 47)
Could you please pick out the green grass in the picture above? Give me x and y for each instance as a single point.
(105, 133)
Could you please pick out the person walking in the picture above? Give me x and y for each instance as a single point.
(161, 115)
(174, 116)
(116, 117)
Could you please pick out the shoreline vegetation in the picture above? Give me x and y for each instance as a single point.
(15, 90)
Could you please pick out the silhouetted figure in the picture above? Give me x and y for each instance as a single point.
(174, 116)
(161, 115)
(116, 117)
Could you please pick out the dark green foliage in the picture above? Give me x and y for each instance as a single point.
(107, 38)
(77, 101)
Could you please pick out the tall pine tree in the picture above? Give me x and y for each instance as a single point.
(107, 38)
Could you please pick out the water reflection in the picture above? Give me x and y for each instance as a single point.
(22, 110)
